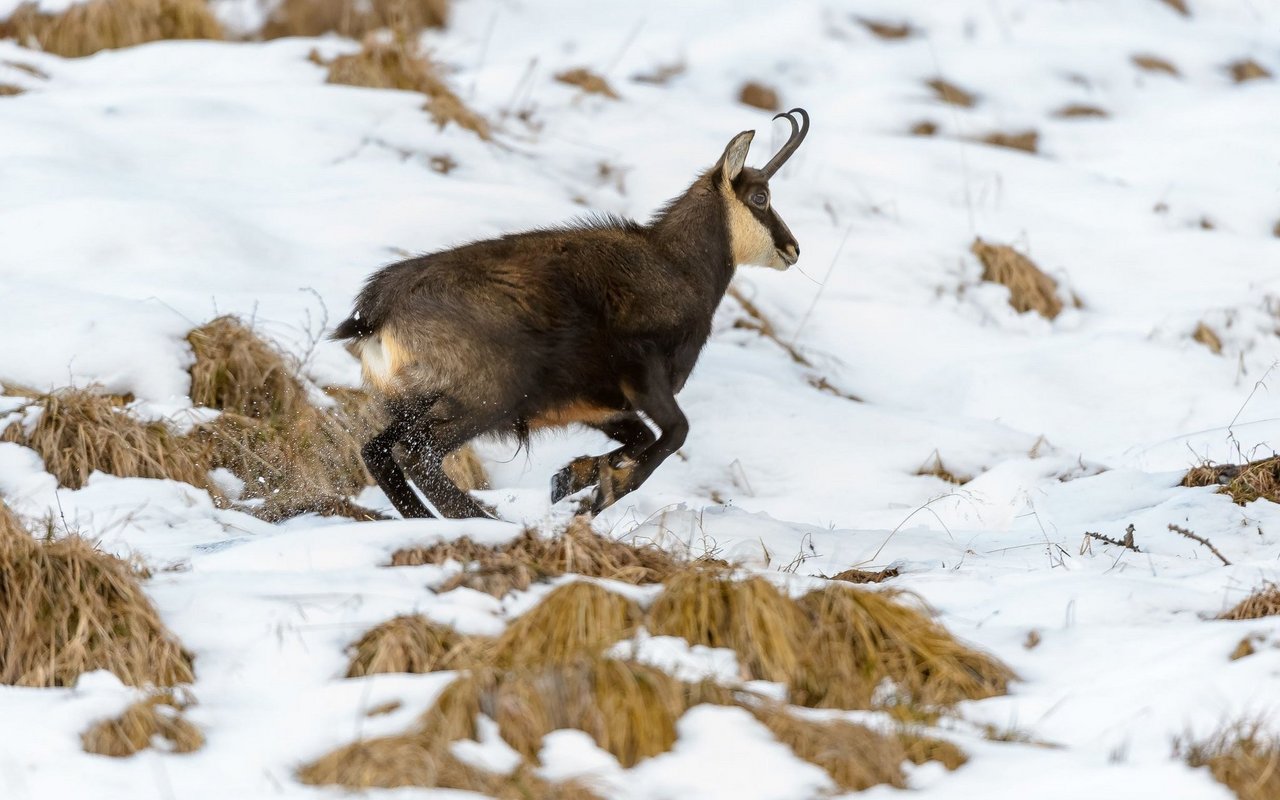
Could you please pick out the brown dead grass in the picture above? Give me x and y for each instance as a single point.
(1077, 110)
(924, 128)
(891, 31)
(68, 608)
(1241, 756)
(1247, 69)
(530, 558)
(1029, 288)
(141, 724)
(923, 749)
(856, 639)
(854, 575)
(757, 95)
(415, 644)
(9, 90)
(1257, 480)
(397, 63)
(354, 19)
(952, 94)
(238, 371)
(934, 467)
(855, 756)
(1263, 602)
(1026, 141)
(80, 431)
(577, 620)
(589, 82)
(84, 29)
(1178, 5)
(1151, 63)
(1243, 649)
(1207, 337)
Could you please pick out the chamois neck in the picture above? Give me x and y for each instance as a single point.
(693, 231)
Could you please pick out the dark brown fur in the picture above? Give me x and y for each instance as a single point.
(589, 323)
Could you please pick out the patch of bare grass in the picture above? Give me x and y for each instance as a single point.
(757, 95)
(924, 128)
(80, 431)
(142, 724)
(857, 639)
(1178, 5)
(9, 90)
(1207, 337)
(397, 63)
(1029, 288)
(238, 371)
(85, 28)
(1241, 756)
(1026, 141)
(576, 620)
(354, 19)
(935, 468)
(855, 756)
(1150, 63)
(1246, 69)
(951, 94)
(1078, 110)
(67, 608)
(1262, 602)
(890, 31)
(414, 644)
(854, 575)
(589, 82)
(1244, 483)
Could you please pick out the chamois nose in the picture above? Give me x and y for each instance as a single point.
(790, 254)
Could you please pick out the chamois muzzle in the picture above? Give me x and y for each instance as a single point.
(798, 133)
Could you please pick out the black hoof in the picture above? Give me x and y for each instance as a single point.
(560, 485)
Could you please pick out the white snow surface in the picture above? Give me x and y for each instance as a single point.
(143, 191)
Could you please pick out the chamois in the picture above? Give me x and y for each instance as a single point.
(598, 323)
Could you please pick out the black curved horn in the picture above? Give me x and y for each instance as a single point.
(798, 133)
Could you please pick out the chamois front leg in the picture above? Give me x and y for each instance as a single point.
(584, 471)
(658, 402)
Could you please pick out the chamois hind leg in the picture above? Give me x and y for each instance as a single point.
(427, 443)
(657, 400)
(626, 428)
(382, 466)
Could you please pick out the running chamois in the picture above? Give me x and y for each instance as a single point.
(599, 323)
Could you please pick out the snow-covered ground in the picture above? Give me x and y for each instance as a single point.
(144, 191)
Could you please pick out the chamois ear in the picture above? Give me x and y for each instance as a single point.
(735, 155)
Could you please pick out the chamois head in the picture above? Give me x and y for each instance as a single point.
(757, 235)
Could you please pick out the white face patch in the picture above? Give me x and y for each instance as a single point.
(749, 240)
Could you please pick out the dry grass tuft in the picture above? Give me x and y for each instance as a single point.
(757, 95)
(397, 63)
(1240, 756)
(236, 370)
(1207, 337)
(856, 639)
(354, 19)
(68, 608)
(1263, 602)
(80, 431)
(765, 627)
(853, 575)
(577, 620)
(855, 756)
(1077, 110)
(924, 128)
(1026, 141)
(951, 94)
(1029, 288)
(923, 749)
(139, 726)
(1248, 70)
(1152, 63)
(415, 644)
(589, 82)
(1243, 649)
(84, 29)
(9, 90)
(935, 468)
(1178, 5)
(891, 31)
(1257, 480)
(531, 558)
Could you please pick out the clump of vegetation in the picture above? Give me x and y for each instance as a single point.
(9, 90)
(757, 95)
(952, 94)
(1151, 63)
(157, 717)
(1247, 69)
(574, 621)
(354, 19)
(1241, 757)
(414, 644)
(80, 431)
(855, 756)
(589, 82)
(854, 575)
(1077, 110)
(1244, 483)
(67, 608)
(924, 127)
(85, 28)
(396, 62)
(892, 31)
(1026, 141)
(1262, 602)
(1207, 337)
(935, 468)
(1029, 288)
(1178, 5)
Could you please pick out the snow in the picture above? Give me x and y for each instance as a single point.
(145, 190)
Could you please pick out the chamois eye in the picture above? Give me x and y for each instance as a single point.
(760, 199)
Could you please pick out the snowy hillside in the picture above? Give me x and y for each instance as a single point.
(147, 190)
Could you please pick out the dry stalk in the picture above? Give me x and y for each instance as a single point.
(1178, 529)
